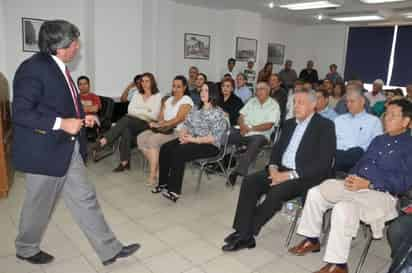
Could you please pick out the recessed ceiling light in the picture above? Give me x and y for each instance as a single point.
(310, 5)
(380, 1)
(360, 18)
(408, 15)
(319, 17)
(271, 5)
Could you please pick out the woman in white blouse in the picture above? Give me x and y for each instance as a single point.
(171, 118)
(143, 109)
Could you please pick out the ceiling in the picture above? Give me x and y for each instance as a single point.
(391, 11)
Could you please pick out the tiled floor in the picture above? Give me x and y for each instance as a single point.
(183, 237)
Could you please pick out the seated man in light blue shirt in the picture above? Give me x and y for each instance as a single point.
(242, 90)
(354, 130)
(256, 122)
(322, 105)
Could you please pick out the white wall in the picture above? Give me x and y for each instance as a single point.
(122, 39)
(118, 44)
(43, 9)
(3, 67)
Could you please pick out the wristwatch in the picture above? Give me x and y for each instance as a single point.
(370, 186)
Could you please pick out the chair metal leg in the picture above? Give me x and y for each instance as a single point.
(199, 179)
(292, 228)
(364, 252)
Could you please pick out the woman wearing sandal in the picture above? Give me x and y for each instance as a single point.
(172, 115)
(200, 137)
(143, 109)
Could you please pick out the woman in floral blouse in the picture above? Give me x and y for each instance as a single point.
(200, 137)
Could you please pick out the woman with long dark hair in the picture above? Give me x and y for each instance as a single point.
(200, 137)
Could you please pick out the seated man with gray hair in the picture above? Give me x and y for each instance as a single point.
(301, 159)
(368, 194)
(354, 130)
(257, 119)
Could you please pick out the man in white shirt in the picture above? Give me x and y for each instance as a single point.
(256, 122)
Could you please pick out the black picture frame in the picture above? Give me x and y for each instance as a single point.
(246, 48)
(30, 33)
(197, 46)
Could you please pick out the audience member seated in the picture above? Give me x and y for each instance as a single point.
(143, 109)
(250, 74)
(288, 75)
(131, 89)
(369, 193)
(278, 93)
(256, 122)
(300, 160)
(377, 93)
(341, 106)
(90, 101)
(91, 105)
(354, 130)
(322, 105)
(333, 74)
(195, 93)
(409, 92)
(231, 68)
(338, 93)
(307, 86)
(231, 104)
(172, 115)
(265, 73)
(193, 72)
(289, 104)
(380, 107)
(200, 137)
(309, 74)
(328, 85)
(242, 90)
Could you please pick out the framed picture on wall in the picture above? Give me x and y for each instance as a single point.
(30, 33)
(246, 49)
(276, 53)
(197, 46)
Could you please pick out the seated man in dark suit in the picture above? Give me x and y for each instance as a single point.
(292, 171)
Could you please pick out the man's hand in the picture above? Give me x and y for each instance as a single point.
(356, 183)
(244, 129)
(277, 177)
(89, 121)
(71, 125)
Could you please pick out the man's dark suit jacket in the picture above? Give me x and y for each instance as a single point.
(316, 151)
(40, 95)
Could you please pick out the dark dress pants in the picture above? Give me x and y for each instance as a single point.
(173, 157)
(127, 128)
(253, 143)
(251, 215)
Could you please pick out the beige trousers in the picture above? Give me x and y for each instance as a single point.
(348, 209)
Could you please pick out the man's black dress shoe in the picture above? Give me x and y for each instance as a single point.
(231, 237)
(39, 258)
(122, 167)
(239, 244)
(232, 178)
(126, 251)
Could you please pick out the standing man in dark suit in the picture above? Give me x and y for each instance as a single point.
(49, 146)
(300, 160)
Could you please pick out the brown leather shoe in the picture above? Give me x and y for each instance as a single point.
(332, 268)
(304, 247)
